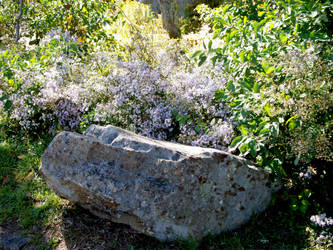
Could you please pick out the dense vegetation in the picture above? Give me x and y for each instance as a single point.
(249, 77)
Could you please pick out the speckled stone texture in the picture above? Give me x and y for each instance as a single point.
(167, 190)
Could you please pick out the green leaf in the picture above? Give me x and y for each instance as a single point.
(6, 53)
(253, 148)
(243, 130)
(290, 119)
(296, 161)
(270, 70)
(235, 142)
(263, 131)
(179, 117)
(8, 105)
(242, 56)
(261, 13)
(189, 121)
(43, 57)
(245, 84)
(202, 59)
(210, 45)
(4, 97)
(256, 88)
(264, 64)
(267, 109)
(195, 54)
(244, 148)
(305, 205)
(231, 86)
(296, 29)
(225, 9)
(214, 60)
(293, 124)
(220, 94)
(283, 38)
(8, 74)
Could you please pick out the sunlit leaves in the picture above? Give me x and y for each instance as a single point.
(252, 41)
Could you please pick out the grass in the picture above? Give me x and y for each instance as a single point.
(27, 202)
(25, 199)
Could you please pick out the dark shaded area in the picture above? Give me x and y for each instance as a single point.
(277, 228)
(83, 230)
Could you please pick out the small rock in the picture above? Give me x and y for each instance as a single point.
(13, 241)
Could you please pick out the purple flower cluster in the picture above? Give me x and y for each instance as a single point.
(194, 92)
(145, 100)
(325, 237)
(321, 220)
(68, 113)
(136, 98)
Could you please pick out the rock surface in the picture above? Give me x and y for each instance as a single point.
(162, 189)
(12, 239)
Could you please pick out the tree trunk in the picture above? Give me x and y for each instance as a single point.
(17, 21)
(170, 17)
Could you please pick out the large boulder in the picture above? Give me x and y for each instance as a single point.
(163, 189)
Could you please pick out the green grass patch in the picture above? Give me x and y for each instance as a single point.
(25, 199)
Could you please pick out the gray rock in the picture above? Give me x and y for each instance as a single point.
(163, 189)
(13, 241)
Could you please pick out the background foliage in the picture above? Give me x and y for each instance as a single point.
(249, 77)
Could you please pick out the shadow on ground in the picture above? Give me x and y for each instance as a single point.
(82, 230)
(269, 230)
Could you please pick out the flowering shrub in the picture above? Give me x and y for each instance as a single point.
(325, 223)
(62, 92)
(142, 99)
(30, 86)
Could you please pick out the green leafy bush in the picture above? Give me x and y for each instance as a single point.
(85, 19)
(261, 81)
